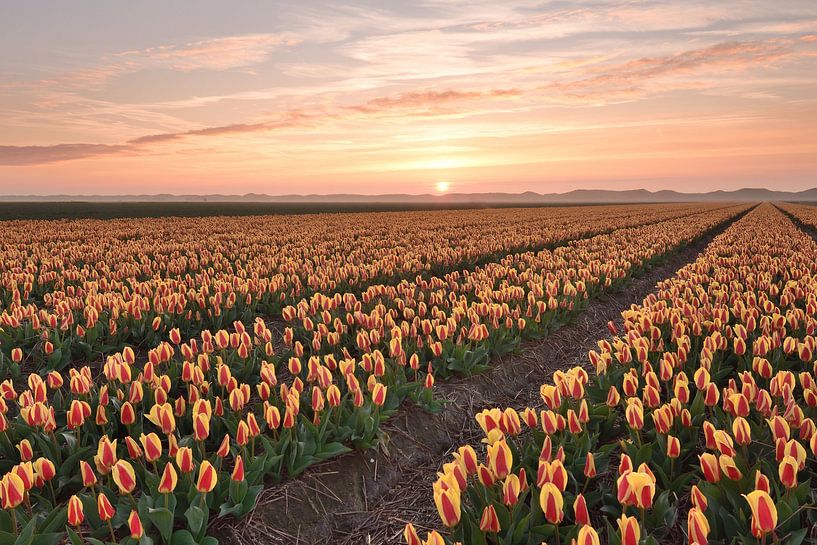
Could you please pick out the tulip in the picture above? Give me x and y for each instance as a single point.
(127, 414)
(167, 484)
(76, 512)
(410, 535)
(630, 530)
(673, 447)
(124, 476)
(201, 426)
(76, 414)
(238, 470)
(12, 491)
(134, 450)
(697, 526)
(25, 449)
(580, 510)
(489, 522)
(634, 414)
(224, 447)
(104, 508)
(447, 499)
(625, 464)
(500, 459)
(589, 466)
(184, 459)
(135, 525)
(434, 538)
(741, 431)
(636, 488)
(152, 445)
(787, 470)
(728, 467)
(468, 457)
(710, 467)
(764, 512)
(379, 394)
(698, 498)
(87, 472)
(510, 490)
(552, 503)
(45, 469)
(207, 478)
(485, 476)
(587, 536)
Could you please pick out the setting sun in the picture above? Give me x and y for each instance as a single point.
(441, 186)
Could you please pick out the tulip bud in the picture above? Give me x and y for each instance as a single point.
(764, 512)
(447, 499)
(580, 510)
(673, 447)
(552, 503)
(710, 467)
(589, 466)
(500, 459)
(410, 535)
(12, 491)
(587, 536)
(184, 459)
(697, 526)
(630, 530)
(787, 470)
(104, 508)
(489, 522)
(207, 478)
(135, 525)
(167, 484)
(698, 498)
(124, 476)
(76, 512)
(238, 470)
(88, 476)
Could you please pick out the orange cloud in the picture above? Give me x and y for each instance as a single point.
(416, 99)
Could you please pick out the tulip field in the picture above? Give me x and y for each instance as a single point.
(159, 375)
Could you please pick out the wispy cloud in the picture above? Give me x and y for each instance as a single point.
(38, 155)
(215, 54)
(635, 77)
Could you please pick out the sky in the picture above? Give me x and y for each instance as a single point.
(201, 96)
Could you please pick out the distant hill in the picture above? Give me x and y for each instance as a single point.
(529, 197)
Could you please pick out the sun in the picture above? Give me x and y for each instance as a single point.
(441, 186)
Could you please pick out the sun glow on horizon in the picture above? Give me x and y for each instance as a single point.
(442, 186)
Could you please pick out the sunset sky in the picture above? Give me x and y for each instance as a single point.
(393, 97)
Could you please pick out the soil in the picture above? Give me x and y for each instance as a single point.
(368, 497)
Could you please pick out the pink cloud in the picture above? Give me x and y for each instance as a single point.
(216, 54)
(631, 78)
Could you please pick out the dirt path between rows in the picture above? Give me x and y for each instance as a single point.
(367, 497)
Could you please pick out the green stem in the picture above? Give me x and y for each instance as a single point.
(13, 514)
(110, 528)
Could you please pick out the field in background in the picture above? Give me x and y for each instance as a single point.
(102, 210)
